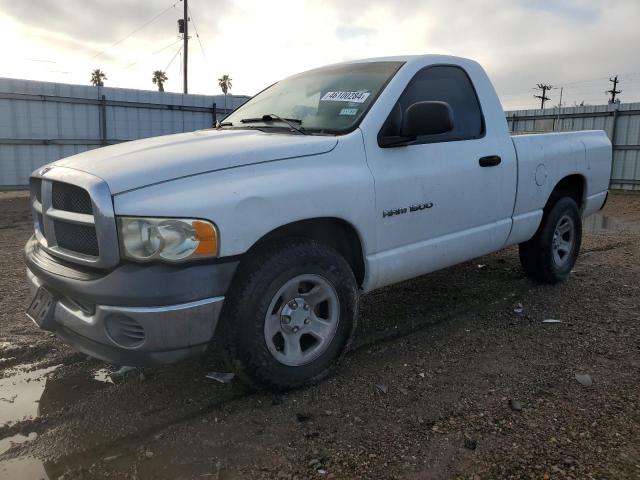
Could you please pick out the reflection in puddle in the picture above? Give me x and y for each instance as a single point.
(28, 394)
(63, 390)
(8, 442)
(24, 468)
(599, 223)
(21, 392)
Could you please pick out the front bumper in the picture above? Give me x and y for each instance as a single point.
(124, 331)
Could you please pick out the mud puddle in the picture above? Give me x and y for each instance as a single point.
(599, 223)
(31, 392)
(27, 468)
(28, 392)
(8, 442)
(20, 393)
(63, 390)
(20, 399)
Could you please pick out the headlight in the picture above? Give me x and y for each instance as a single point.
(168, 239)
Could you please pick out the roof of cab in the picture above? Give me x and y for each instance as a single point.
(410, 58)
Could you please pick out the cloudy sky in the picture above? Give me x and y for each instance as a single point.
(576, 44)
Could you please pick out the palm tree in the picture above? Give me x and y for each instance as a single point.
(159, 77)
(224, 82)
(98, 77)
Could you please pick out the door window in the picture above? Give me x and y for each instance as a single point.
(446, 84)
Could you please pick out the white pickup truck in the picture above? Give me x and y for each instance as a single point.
(266, 229)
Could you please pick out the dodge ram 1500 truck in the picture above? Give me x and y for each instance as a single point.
(264, 230)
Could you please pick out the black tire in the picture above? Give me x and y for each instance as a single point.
(537, 255)
(258, 280)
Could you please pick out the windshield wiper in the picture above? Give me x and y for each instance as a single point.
(224, 124)
(270, 117)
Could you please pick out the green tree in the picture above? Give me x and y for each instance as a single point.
(98, 77)
(224, 82)
(159, 77)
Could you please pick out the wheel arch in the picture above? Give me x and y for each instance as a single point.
(573, 186)
(332, 231)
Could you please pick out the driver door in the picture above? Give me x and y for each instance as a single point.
(439, 201)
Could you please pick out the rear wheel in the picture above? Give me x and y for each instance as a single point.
(290, 314)
(552, 252)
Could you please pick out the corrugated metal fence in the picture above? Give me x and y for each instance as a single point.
(41, 121)
(620, 121)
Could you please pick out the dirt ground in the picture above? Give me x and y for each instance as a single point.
(453, 375)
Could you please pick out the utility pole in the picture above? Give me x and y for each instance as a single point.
(613, 91)
(185, 48)
(561, 90)
(559, 109)
(543, 98)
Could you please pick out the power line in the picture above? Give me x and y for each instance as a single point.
(599, 79)
(543, 98)
(39, 60)
(197, 34)
(136, 30)
(628, 77)
(166, 46)
(172, 59)
(590, 93)
(154, 53)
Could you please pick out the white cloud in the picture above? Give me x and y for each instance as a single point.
(520, 43)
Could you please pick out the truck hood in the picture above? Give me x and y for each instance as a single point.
(140, 163)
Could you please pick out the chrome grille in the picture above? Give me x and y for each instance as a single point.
(70, 198)
(73, 216)
(77, 238)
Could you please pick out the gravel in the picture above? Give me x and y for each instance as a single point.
(475, 384)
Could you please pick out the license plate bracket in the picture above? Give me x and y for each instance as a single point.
(42, 308)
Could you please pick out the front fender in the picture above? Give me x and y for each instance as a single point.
(250, 201)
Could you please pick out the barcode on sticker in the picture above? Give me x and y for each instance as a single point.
(349, 111)
(355, 97)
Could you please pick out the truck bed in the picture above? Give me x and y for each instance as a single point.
(544, 159)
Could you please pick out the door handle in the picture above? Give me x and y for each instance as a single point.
(490, 161)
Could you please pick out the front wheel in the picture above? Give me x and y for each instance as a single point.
(290, 314)
(552, 252)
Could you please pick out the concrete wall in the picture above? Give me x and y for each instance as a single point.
(41, 121)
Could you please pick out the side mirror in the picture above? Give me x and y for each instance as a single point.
(427, 118)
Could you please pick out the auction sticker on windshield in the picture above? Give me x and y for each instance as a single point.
(355, 97)
(349, 111)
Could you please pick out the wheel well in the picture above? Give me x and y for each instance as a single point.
(333, 232)
(571, 186)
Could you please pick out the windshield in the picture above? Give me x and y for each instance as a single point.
(327, 100)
